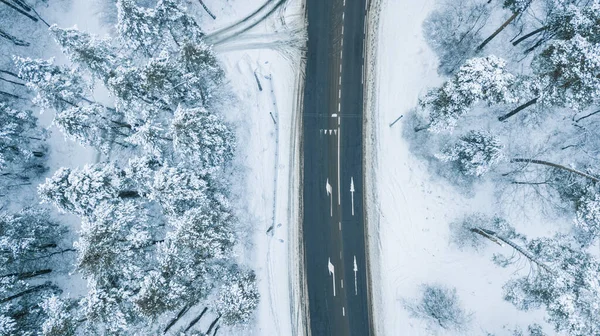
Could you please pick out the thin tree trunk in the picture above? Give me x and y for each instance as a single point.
(11, 82)
(129, 194)
(10, 95)
(212, 325)
(23, 5)
(526, 36)
(33, 18)
(207, 10)
(518, 109)
(216, 329)
(554, 165)
(500, 29)
(9, 73)
(587, 116)
(15, 40)
(27, 275)
(195, 320)
(491, 235)
(27, 291)
(176, 318)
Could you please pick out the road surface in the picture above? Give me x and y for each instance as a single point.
(333, 218)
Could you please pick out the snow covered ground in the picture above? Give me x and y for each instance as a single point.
(268, 140)
(409, 207)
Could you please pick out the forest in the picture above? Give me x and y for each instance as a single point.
(518, 110)
(155, 232)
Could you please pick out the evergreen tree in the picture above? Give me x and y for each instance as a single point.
(479, 80)
(568, 73)
(57, 87)
(570, 293)
(28, 239)
(238, 297)
(92, 125)
(80, 191)
(202, 137)
(95, 55)
(475, 153)
(21, 143)
(61, 317)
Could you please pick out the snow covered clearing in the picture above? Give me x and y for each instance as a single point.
(409, 207)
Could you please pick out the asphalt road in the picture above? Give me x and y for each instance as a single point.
(333, 218)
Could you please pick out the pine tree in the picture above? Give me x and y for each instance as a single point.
(475, 153)
(28, 239)
(570, 293)
(238, 297)
(567, 72)
(203, 137)
(587, 218)
(138, 27)
(80, 191)
(21, 143)
(95, 55)
(479, 80)
(57, 87)
(61, 318)
(92, 125)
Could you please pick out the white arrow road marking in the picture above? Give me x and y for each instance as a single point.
(329, 189)
(352, 191)
(343, 311)
(355, 281)
(332, 273)
(342, 283)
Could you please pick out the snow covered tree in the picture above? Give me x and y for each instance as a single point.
(80, 191)
(28, 240)
(27, 237)
(587, 218)
(138, 27)
(570, 292)
(238, 297)
(92, 125)
(114, 240)
(532, 330)
(475, 153)
(61, 318)
(147, 28)
(479, 80)
(452, 32)
(57, 87)
(573, 19)
(200, 60)
(202, 137)
(21, 143)
(95, 55)
(569, 73)
(441, 306)
(174, 17)
(463, 236)
(179, 189)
